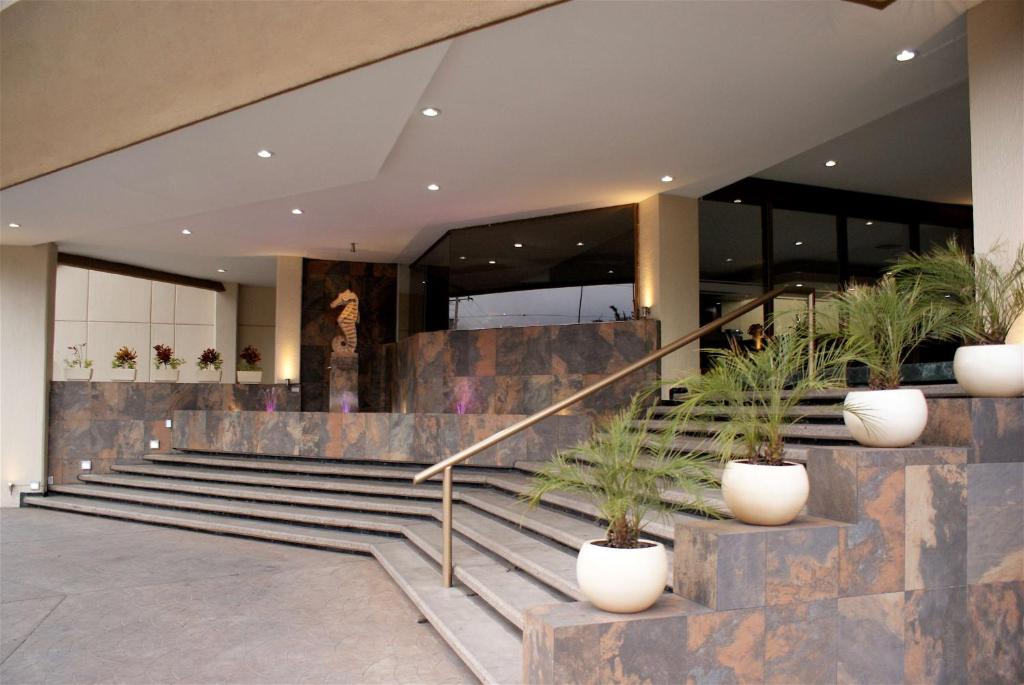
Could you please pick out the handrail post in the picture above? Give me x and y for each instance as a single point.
(810, 334)
(446, 528)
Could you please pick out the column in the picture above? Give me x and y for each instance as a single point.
(288, 320)
(27, 284)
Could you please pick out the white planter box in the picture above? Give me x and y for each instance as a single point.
(77, 373)
(207, 376)
(250, 377)
(122, 375)
(164, 375)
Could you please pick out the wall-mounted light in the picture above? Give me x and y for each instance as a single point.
(168, 423)
(34, 486)
(86, 465)
(154, 444)
(645, 312)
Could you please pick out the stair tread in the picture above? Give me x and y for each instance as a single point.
(805, 410)
(820, 431)
(491, 648)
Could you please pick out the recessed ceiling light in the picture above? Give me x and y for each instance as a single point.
(799, 285)
(905, 55)
(667, 179)
(222, 271)
(463, 257)
(517, 244)
(14, 225)
(433, 186)
(579, 244)
(611, 271)
(799, 243)
(185, 231)
(491, 261)
(831, 163)
(296, 211)
(728, 259)
(430, 111)
(737, 201)
(869, 223)
(423, 282)
(265, 154)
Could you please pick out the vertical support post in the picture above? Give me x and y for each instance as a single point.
(810, 333)
(446, 528)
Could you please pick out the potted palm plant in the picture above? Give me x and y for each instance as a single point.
(78, 367)
(880, 325)
(625, 472)
(985, 300)
(165, 364)
(123, 365)
(756, 396)
(249, 370)
(210, 363)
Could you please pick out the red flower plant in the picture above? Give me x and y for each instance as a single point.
(250, 359)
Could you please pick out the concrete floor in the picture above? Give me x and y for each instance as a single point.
(91, 600)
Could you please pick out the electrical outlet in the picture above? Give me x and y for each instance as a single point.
(168, 423)
(154, 444)
(87, 465)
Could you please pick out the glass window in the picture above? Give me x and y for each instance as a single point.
(805, 249)
(873, 245)
(730, 244)
(543, 307)
(932, 236)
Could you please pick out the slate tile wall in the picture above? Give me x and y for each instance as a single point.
(104, 422)
(519, 370)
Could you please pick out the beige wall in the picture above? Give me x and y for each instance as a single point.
(26, 315)
(79, 79)
(256, 315)
(668, 274)
(107, 311)
(288, 319)
(995, 56)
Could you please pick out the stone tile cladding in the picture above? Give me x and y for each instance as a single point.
(907, 568)
(520, 370)
(104, 422)
(377, 288)
(422, 438)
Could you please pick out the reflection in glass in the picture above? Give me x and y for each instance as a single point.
(545, 307)
(932, 236)
(873, 245)
(730, 242)
(805, 249)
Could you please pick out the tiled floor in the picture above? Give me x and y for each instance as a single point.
(90, 600)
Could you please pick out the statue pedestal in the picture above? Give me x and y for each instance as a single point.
(344, 383)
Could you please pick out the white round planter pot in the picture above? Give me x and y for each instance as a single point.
(208, 376)
(623, 581)
(990, 370)
(250, 377)
(122, 375)
(77, 373)
(164, 375)
(886, 418)
(765, 495)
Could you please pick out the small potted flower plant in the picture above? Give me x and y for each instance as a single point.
(249, 370)
(165, 364)
(77, 367)
(124, 364)
(210, 363)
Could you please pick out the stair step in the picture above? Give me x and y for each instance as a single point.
(810, 411)
(934, 390)
(491, 648)
(800, 431)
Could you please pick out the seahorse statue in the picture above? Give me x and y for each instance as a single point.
(346, 343)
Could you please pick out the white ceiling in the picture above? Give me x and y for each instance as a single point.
(581, 105)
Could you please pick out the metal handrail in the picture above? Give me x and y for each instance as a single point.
(445, 466)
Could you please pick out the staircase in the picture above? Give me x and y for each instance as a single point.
(508, 558)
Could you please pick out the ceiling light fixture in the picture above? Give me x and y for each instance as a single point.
(667, 179)
(728, 259)
(579, 244)
(185, 231)
(737, 201)
(14, 225)
(296, 211)
(905, 55)
(799, 285)
(433, 186)
(491, 261)
(222, 271)
(430, 111)
(517, 244)
(831, 163)
(611, 271)
(463, 257)
(264, 154)
(799, 243)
